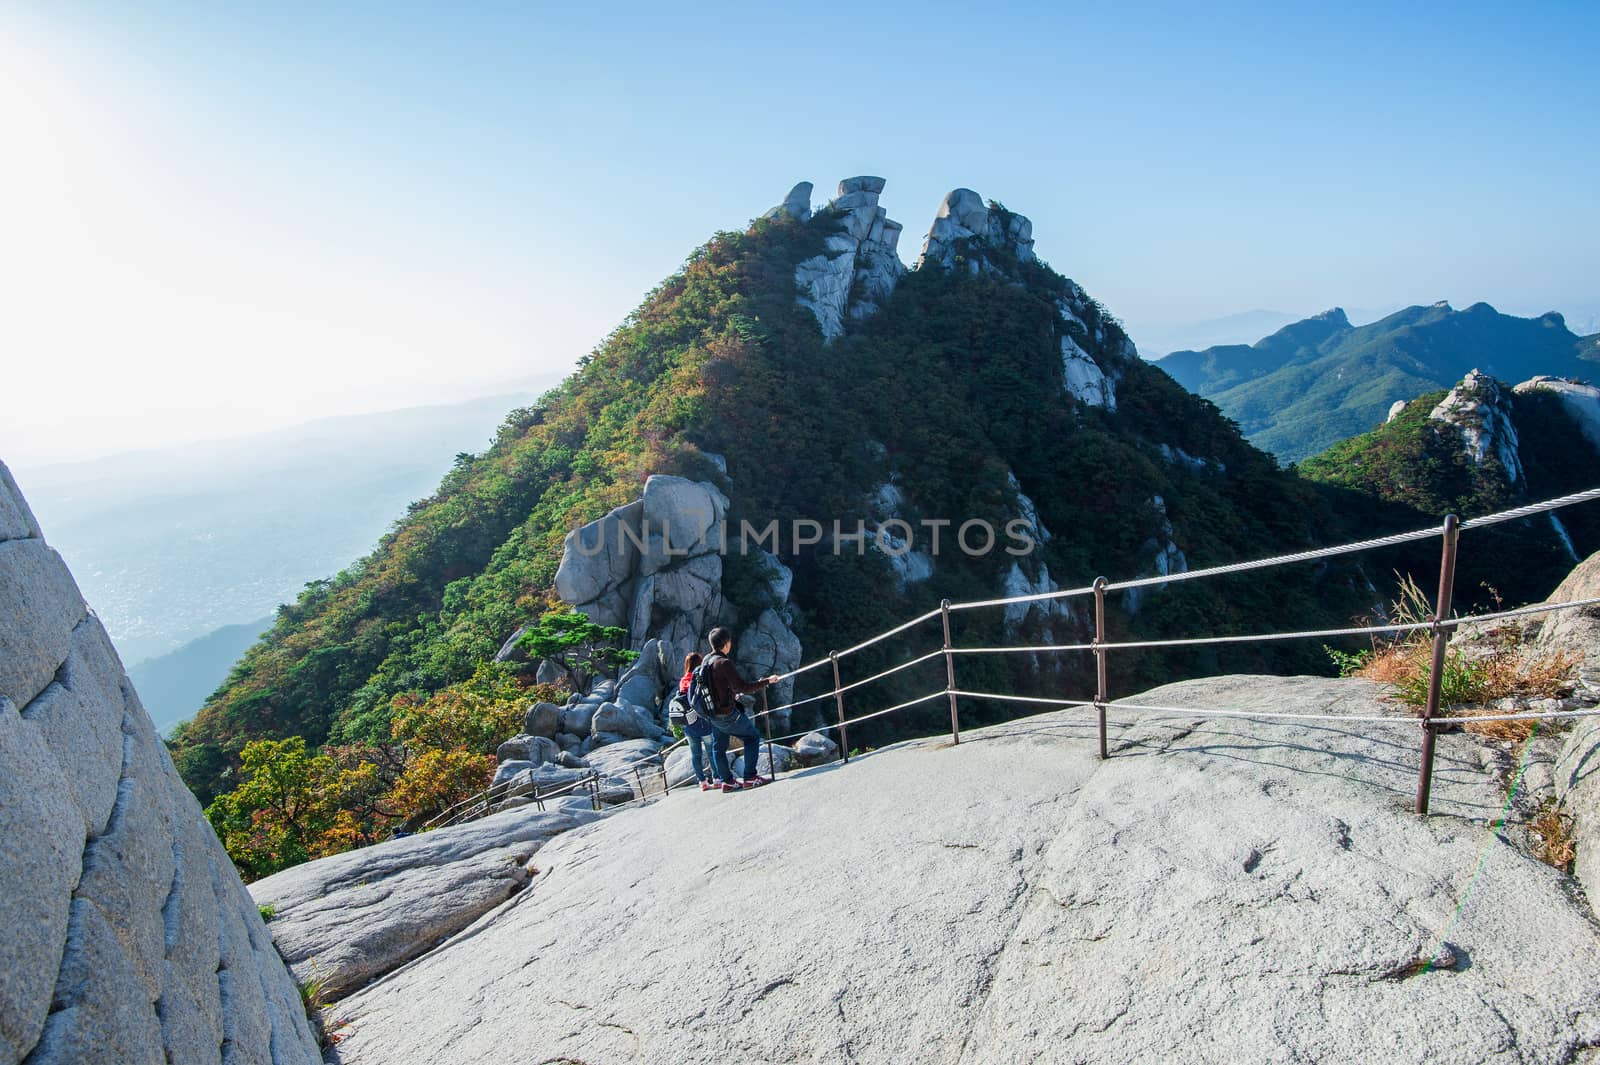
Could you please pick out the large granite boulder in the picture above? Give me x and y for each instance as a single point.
(597, 559)
(629, 722)
(1217, 891)
(347, 919)
(128, 936)
(768, 646)
(542, 719)
(796, 205)
(682, 519)
(526, 748)
(815, 749)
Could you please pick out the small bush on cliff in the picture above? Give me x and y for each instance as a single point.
(577, 645)
(1472, 677)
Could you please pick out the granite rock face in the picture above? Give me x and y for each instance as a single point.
(861, 267)
(796, 205)
(355, 916)
(1577, 766)
(1481, 409)
(965, 225)
(1219, 890)
(1582, 402)
(655, 567)
(128, 935)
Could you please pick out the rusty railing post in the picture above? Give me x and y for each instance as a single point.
(838, 703)
(950, 674)
(1100, 659)
(772, 763)
(1441, 639)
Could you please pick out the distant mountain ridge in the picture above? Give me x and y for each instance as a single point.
(1322, 380)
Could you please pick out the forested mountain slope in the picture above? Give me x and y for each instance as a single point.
(797, 366)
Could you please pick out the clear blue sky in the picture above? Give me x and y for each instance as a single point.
(306, 208)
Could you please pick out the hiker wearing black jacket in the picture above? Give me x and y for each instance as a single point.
(730, 720)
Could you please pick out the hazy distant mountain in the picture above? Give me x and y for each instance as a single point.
(1321, 380)
(174, 685)
(1242, 328)
(173, 544)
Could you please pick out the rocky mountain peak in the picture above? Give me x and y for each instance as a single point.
(964, 221)
(1481, 408)
(861, 265)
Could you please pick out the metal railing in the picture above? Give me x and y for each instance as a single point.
(1440, 625)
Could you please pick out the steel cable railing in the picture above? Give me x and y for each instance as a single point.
(1440, 625)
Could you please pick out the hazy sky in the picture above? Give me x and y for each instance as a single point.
(220, 218)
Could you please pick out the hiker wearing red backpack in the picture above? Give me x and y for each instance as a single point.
(717, 684)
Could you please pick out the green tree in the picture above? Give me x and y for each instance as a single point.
(576, 644)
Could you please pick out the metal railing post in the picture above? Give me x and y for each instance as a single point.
(1100, 686)
(950, 674)
(537, 801)
(772, 762)
(838, 702)
(1441, 639)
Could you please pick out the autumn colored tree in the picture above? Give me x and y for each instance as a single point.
(276, 815)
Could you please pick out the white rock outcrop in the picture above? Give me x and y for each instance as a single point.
(964, 225)
(1216, 891)
(1166, 557)
(796, 205)
(128, 936)
(1582, 402)
(861, 267)
(350, 918)
(1083, 377)
(893, 536)
(1481, 409)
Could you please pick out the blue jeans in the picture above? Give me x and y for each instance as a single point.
(698, 738)
(740, 725)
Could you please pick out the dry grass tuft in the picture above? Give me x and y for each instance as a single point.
(1501, 667)
(1557, 846)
